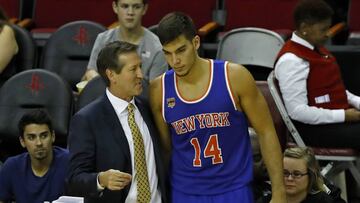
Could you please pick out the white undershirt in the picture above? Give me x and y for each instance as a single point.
(120, 107)
(292, 73)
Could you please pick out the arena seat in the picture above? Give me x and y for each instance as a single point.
(68, 50)
(25, 58)
(255, 48)
(34, 89)
(94, 89)
(339, 159)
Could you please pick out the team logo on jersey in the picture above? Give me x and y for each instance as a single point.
(170, 102)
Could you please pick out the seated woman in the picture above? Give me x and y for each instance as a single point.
(8, 43)
(303, 181)
(315, 97)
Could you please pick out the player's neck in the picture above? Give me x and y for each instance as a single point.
(197, 71)
(133, 36)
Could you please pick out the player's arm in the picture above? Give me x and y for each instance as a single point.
(250, 100)
(156, 107)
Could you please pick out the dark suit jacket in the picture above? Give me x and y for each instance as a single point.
(97, 143)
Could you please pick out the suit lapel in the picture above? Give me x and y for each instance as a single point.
(145, 113)
(146, 116)
(115, 127)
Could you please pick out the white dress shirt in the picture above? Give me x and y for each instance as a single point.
(292, 73)
(120, 107)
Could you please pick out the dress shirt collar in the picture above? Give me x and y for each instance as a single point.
(119, 105)
(299, 40)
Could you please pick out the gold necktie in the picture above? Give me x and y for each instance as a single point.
(143, 188)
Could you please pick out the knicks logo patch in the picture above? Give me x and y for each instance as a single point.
(170, 102)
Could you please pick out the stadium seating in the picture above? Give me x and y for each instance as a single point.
(256, 48)
(25, 58)
(68, 50)
(34, 89)
(95, 88)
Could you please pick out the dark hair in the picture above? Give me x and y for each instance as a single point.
(38, 116)
(109, 57)
(144, 1)
(311, 12)
(175, 24)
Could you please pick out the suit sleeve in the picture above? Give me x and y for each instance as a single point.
(82, 176)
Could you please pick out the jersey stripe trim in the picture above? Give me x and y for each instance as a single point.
(211, 67)
(228, 84)
(163, 96)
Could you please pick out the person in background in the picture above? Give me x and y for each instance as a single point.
(202, 108)
(303, 180)
(261, 183)
(130, 14)
(39, 174)
(7, 39)
(324, 112)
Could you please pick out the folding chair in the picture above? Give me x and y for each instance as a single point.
(256, 48)
(340, 159)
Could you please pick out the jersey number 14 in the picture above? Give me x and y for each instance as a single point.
(212, 150)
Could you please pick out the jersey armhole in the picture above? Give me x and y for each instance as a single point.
(227, 80)
(163, 96)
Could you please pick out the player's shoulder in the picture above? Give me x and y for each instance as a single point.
(237, 70)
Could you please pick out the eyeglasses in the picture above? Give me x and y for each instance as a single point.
(295, 174)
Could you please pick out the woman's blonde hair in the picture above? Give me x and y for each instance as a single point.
(316, 182)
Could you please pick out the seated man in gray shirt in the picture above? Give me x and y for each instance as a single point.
(130, 13)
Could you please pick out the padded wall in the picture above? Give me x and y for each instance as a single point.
(11, 7)
(199, 10)
(354, 16)
(55, 13)
(269, 14)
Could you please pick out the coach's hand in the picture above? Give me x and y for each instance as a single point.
(114, 179)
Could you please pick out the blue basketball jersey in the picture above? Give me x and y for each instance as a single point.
(211, 150)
